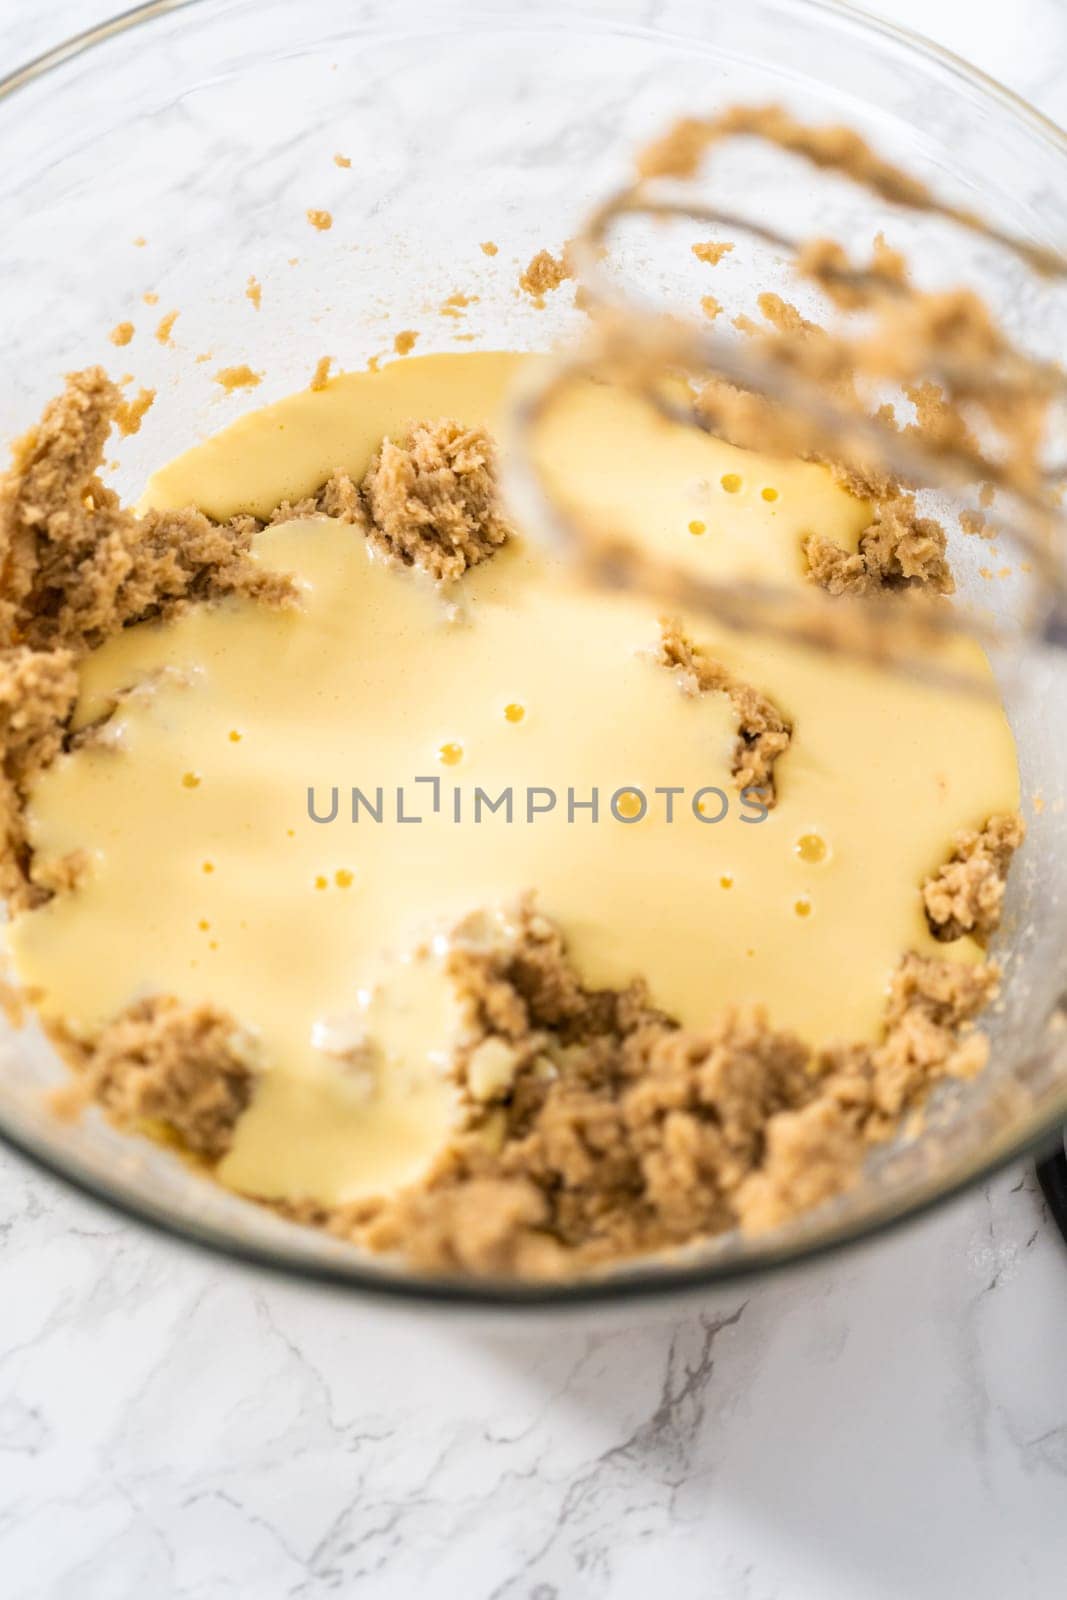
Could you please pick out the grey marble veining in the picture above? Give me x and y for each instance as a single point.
(889, 1426)
(882, 1427)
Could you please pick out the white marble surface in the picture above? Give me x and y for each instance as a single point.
(892, 1426)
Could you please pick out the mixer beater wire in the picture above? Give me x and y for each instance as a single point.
(984, 407)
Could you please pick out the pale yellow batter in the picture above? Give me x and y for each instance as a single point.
(208, 879)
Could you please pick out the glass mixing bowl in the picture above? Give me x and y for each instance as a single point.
(176, 152)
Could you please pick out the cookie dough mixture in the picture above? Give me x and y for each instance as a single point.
(414, 888)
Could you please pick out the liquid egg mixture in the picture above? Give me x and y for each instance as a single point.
(412, 885)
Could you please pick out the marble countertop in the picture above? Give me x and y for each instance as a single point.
(890, 1426)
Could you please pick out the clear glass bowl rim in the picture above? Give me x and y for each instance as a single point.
(644, 1281)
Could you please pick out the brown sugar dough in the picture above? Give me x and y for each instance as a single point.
(428, 501)
(817, 1150)
(543, 273)
(763, 734)
(612, 1132)
(712, 251)
(131, 413)
(38, 689)
(321, 375)
(900, 550)
(77, 565)
(966, 895)
(239, 377)
(189, 1068)
(432, 500)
